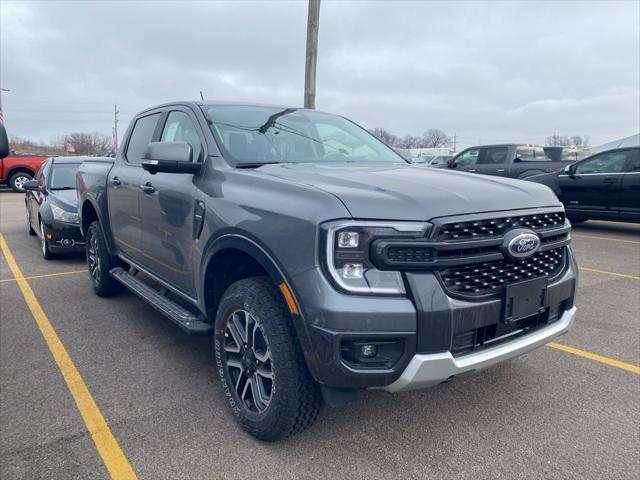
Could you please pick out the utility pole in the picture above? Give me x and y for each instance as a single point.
(313, 20)
(455, 141)
(115, 127)
(1, 112)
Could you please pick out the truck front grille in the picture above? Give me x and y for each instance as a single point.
(497, 227)
(487, 278)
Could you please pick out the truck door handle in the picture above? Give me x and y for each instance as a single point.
(115, 182)
(471, 170)
(148, 188)
(610, 180)
(500, 170)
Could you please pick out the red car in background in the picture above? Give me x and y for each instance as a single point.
(15, 170)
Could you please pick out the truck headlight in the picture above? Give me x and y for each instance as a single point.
(64, 216)
(348, 254)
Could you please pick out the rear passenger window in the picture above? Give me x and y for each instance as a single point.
(494, 156)
(180, 128)
(141, 135)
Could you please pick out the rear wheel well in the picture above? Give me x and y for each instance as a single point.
(89, 215)
(225, 268)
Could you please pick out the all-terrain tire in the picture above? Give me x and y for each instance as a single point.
(99, 262)
(295, 397)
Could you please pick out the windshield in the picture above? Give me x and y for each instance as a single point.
(256, 134)
(63, 176)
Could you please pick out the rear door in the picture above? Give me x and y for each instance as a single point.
(594, 189)
(630, 191)
(124, 188)
(168, 208)
(493, 161)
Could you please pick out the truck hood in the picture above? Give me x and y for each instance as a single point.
(407, 192)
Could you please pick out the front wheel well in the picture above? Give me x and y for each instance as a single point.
(225, 268)
(89, 215)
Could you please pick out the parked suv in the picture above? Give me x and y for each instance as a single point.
(320, 260)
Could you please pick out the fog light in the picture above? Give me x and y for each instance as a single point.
(368, 350)
(348, 239)
(66, 242)
(353, 270)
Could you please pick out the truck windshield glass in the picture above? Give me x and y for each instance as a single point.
(259, 135)
(63, 176)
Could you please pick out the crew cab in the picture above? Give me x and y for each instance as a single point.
(321, 261)
(507, 160)
(15, 170)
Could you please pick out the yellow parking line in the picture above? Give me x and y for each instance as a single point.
(606, 272)
(44, 276)
(598, 237)
(114, 459)
(598, 358)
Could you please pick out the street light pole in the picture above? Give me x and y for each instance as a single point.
(313, 19)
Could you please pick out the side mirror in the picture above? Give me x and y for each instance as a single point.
(570, 170)
(4, 142)
(451, 163)
(32, 185)
(169, 157)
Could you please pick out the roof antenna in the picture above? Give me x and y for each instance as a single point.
(201, 96)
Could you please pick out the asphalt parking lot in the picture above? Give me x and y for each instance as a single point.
(552, 413)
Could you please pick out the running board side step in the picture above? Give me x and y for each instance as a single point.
(187, 321)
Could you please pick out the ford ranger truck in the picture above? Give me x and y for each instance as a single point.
(16, 170)
(319, 260)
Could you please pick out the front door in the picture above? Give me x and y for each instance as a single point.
(167, 205)
(594, 187)
(123, 190)
(467, 160)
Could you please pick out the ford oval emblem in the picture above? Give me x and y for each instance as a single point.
(521, 243)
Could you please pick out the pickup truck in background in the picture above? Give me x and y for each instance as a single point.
(321, 262)
(15, 170)
(507, 160)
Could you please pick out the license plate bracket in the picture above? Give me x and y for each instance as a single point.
(524, 299)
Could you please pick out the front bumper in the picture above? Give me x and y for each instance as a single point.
(428, 324)
(432, 369)
(65, 237)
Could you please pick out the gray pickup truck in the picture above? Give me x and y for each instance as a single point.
(321, 262)
(506, 160)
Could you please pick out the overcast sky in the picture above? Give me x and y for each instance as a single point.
(492, 71)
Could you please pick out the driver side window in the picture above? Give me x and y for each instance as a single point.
(612, 162)
(470, 157)
(180, 128)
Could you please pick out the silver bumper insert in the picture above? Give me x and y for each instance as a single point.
(425, 370)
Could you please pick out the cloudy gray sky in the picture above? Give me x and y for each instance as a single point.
(490, 71)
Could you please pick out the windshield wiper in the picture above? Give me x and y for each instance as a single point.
(271, 121)
(63, 188)
(255, 164)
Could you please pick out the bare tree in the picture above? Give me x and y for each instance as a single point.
(577, 141)
(434, 138)
(386, 137)
(89, 143)
(580, 141)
